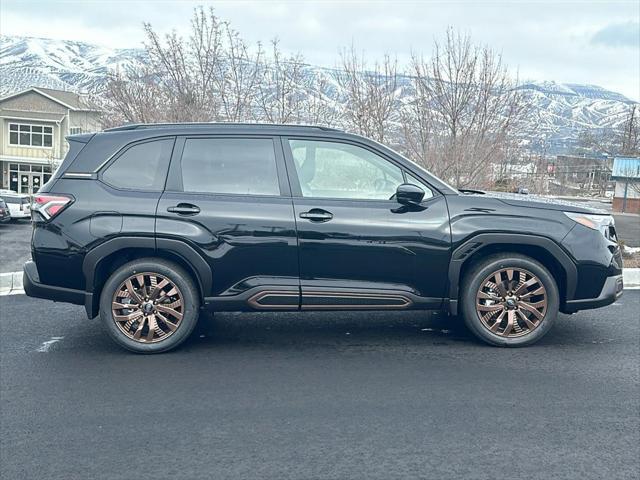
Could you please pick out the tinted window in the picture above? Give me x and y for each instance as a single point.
(341, 170)
(225, 165)
(141, 167)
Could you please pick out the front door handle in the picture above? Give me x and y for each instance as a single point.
(317, 215)
(184, 209)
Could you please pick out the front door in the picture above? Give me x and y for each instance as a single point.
(358, 247)
(25, 178)
(228, 198)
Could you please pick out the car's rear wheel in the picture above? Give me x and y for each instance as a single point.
(509, 300)
(149, 305)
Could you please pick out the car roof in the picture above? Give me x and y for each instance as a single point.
(198, 126)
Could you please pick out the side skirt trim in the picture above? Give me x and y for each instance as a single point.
(289, 298)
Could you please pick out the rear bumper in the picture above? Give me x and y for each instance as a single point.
(33, 288)
(611, 291)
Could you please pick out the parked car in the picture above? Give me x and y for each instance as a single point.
(145, 225)
(5, 214)
(19, 204)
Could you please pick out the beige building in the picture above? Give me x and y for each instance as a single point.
(34, 124)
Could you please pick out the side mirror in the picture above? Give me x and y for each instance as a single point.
(409, 194)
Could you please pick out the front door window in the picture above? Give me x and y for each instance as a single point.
(343, 171)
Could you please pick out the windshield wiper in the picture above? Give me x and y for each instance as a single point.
(469, 191)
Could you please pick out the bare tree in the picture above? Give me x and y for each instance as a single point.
(320, 107)
(237, 77)
(465, 111)
(371, 95)
(212, 75)
(133, 96)
(281, 91)
(631, 133)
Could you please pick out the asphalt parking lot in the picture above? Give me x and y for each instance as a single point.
(328, 395)
(15, 245)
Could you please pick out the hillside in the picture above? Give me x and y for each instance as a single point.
(559, 111)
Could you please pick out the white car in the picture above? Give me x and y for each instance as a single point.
(19, 204)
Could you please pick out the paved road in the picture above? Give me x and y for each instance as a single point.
(15, 248)
(323, 396)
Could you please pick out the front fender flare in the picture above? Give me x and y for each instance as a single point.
(464, 252)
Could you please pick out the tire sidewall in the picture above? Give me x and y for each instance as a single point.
(175, 274)
(481, 271)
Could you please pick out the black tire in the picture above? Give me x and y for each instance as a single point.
(475, 279)
(173, 273)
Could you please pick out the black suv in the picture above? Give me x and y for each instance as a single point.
(146, 225)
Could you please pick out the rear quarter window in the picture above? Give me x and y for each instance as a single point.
(142, 166)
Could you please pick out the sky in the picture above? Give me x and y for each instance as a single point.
(588, 42)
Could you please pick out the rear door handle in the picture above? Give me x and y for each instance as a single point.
(184, 209)
(317, 215)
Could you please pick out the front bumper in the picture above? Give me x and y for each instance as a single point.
(33, 288)
(611, 291)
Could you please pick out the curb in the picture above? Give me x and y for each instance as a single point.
(631, 277)
(11, 283)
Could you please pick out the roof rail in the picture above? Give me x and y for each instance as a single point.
(141, 126)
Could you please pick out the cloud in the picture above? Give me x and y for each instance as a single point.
(543, 39)
(618, 35)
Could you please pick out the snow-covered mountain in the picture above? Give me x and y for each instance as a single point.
(62, 64)
(559, 111)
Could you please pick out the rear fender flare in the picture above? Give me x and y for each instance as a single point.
(176, 247)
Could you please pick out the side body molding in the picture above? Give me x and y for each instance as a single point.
(462, 253)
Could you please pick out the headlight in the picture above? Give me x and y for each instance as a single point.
(595, 222)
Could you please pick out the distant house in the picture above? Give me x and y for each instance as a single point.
(34, 124)
(588, 174)
(626, 173)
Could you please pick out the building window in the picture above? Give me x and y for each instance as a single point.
(75, 130)
(26, 135)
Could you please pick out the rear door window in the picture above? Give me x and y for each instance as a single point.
(142, 166)
(245, 166)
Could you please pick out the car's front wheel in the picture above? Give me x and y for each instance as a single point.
(509, 300)
(149, 305)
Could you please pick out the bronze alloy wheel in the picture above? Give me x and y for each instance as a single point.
(147, 307)
(511, 302)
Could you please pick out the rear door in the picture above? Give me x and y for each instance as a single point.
(359, 248)
(228, 198)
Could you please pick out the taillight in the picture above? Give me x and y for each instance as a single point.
(50, 205)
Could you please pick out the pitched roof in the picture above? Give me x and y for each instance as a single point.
(626, 167)
(71, 100)
(19, 114)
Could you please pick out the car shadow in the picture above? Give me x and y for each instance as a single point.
(327, 329)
